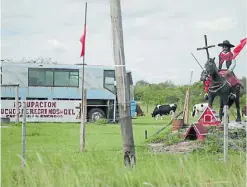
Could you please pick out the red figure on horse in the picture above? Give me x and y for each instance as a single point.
(227, 64)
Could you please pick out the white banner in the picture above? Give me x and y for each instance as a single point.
(43, 111)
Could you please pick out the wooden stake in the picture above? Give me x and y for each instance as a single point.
(17, 104)
(84, 119)
(23, 135)
(123, 88)
(187, 102)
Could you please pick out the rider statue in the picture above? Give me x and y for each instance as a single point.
(225, 63)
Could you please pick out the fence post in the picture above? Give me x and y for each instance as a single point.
(23, 142)
(225, 133)
(17, 104)
(83, 122)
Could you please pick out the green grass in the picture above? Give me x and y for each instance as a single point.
(53, 159)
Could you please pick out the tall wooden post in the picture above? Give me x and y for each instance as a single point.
(123, 88)
(84, 119)
(187, 101)
(23, 135)
(17, 110)
(84, 96)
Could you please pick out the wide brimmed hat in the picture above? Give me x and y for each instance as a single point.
(226, 43)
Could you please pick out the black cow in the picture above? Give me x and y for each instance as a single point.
(139, 111)
(163, 110)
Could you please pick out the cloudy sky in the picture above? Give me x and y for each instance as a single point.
(159, 35)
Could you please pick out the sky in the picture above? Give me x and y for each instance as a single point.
(159, 36)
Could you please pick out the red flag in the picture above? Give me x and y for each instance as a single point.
(83, 40)
(239, 48)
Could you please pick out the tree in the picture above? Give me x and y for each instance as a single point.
(142, 83)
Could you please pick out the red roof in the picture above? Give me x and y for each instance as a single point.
(196, 131)
(209, 117)
(201, 129)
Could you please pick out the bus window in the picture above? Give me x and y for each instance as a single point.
(66, 77)
(40, 77)
(109, 80)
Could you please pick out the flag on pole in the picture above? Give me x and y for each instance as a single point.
(239, 48)
(83, 41)
(83, 37)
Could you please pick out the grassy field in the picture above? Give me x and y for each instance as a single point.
(53, 159)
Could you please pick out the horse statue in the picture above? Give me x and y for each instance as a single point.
(221, 86)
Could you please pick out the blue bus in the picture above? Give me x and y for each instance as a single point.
(62, 82)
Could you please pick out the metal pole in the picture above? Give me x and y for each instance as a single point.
(123, 88)
(225, 133)
(83, 91)
(23, 137)
(17, 104)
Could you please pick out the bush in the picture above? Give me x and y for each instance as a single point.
(167, 137)
(102, 121)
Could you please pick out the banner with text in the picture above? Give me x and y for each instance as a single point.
(43, 111)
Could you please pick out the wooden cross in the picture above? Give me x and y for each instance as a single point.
(206, 46)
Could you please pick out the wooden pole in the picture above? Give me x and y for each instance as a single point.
(84, 119)
(187, 101)
(17, 104)
(225, 133)
(123, 88)
(114, 109)
(83, 98)
(23, 136)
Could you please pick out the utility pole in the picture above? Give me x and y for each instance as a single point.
(123, 88)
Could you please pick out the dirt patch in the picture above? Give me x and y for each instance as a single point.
(182, 147)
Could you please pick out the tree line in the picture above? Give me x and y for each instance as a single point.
(167, 92)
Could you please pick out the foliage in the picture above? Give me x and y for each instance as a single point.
(214, 142)
(101, 121)
(167, 92)
(161, 137)
(166, 136)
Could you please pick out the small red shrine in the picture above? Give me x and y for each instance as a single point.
(209, 118)
(196, 131)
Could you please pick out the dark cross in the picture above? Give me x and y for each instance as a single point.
(206, 46)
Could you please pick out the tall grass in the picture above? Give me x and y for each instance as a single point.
(53, 159)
